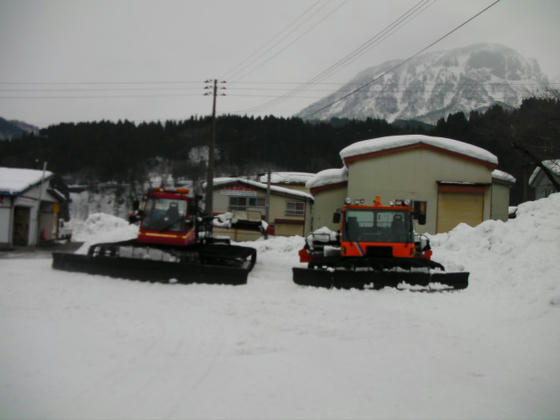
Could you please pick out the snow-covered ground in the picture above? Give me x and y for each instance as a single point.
(81, 346)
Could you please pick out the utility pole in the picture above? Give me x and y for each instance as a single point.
(213, 86)
(267, 216)
(38, 233)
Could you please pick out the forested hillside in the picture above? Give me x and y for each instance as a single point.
(124, 152)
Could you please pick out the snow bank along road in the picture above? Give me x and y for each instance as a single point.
(80, 346)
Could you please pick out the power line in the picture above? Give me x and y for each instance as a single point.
(271, 42)
(98, 96)
(496, 86)
(113, 82)
(274, 55)
(414, 11)
(407, 59)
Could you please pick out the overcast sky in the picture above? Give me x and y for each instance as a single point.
(147, 60)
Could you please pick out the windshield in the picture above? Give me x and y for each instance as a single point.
(165, 214)
(373, 225)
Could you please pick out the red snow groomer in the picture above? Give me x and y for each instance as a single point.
(174, 244)
(375, 247)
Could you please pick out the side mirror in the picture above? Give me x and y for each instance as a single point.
(420, 212)
(135, 204)
(336, 218)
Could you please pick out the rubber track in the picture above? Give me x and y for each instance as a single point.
(349, 279)
(150, 270)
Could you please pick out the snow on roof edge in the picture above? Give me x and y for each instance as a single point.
(287, 177)
(328, 177)
(14, 181)
(391, 142)
(256, 184)
(503, 176)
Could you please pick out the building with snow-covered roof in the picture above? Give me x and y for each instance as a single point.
(29, 206)
(329, 188)
(289, 212)
(499, 199)
(452, 179)
(541, 183)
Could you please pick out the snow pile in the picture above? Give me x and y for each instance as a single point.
(101, 227)
(392, 142)
(88, 346)
(278, 245)
(518, 257)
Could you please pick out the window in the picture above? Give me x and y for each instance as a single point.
(295, 208)
(237, 203)
(165, 214)
(242, 203)
(378, 226)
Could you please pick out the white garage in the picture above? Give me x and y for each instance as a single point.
(28, 207)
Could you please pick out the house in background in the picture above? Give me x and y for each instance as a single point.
(30, 207)
(540, 182)
(289, 214)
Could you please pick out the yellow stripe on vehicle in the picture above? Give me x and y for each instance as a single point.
(166, 235)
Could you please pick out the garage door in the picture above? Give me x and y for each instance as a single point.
(459, 207)
(288, 228)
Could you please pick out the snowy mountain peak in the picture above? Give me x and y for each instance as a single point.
(435, 84)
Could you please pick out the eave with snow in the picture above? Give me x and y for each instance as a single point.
(395, 144)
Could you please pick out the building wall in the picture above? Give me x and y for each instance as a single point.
(413, 174)
(326, 203)
(295, 187)
(30, 199)
(5, 221)
(500, 201)
(278, 213)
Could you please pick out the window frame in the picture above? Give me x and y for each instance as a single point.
(295, 212)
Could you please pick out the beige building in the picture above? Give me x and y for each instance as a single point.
(454, 180)
(289, 214)
(329, 188)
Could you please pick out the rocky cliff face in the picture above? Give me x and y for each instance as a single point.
(435, 84)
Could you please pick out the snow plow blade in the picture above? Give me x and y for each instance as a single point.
(348, 279)
(151, 270)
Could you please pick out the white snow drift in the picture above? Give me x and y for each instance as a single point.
(81, 346)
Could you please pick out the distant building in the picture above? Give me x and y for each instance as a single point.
(540, 182)
(29, 207)
(290, 209)
(453, 181)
